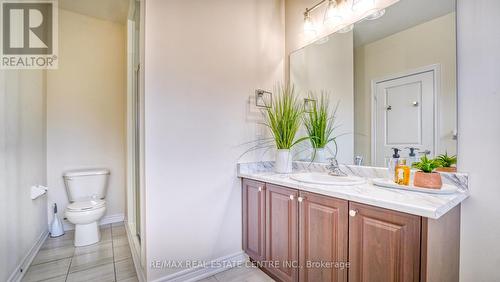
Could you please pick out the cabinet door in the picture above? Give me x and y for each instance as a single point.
(282, 232)
(254, 219)
(384, 245)
(323, 236)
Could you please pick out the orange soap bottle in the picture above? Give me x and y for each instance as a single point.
(402, 173)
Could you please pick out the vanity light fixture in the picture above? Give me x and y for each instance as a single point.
(332, 13)
(309, 27)
(263, 99)
(343, 13)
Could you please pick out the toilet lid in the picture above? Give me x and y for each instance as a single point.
(86, 205)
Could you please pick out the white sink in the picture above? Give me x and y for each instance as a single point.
(326, 179)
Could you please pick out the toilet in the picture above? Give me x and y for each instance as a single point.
(86, 190)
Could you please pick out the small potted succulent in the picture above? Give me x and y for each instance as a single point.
(447, 163)
(426, 177)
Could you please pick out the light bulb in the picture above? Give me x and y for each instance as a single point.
(309, 27)
(332, 13)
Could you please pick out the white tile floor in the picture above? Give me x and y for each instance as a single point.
(108, 260)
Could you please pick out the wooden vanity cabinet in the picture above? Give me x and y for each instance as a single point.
(290, 231)
(282, 233)
(322, 238)
(254, 219)
(384, 245)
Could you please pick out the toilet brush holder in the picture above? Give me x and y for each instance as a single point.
(56, 227)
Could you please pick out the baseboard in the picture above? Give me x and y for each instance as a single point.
(22, 267)
(194, 274)
(107, 219)
(136, 257)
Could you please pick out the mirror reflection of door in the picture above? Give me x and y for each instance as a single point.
(404, 114)
(407, 60)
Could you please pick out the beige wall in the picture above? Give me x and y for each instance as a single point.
(479, 132)
(86, 105)
(22, 165)
(429, 43)
(204, 59)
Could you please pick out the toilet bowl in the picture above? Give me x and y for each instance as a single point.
(86, 191)
(85, 215)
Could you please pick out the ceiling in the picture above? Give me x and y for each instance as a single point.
(401, 16)
(110, 10)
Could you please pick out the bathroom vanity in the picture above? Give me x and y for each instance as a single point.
(385, 94)
(308, 232)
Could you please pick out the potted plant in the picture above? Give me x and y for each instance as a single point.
(447, 163)
(283, 118)
(319, 123)
(426, 177)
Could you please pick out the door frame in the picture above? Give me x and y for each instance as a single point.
(436, 70)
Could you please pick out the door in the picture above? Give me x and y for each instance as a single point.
(254, 219)
(323, 234)
(384, 245)
(282, 232)
(404, 114)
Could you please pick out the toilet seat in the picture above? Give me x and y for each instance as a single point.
(86, 205)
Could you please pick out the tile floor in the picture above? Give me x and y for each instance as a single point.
(240, 274)
(108, 260)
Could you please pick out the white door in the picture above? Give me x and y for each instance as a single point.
(404, 115)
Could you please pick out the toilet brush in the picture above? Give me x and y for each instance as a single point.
(56, 228)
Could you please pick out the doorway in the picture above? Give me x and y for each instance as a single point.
(134, 120)
(404, 113)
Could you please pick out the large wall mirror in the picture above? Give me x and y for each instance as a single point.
(394, 78)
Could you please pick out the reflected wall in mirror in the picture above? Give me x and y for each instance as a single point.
(395, 79)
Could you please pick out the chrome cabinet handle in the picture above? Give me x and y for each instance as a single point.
(300, 199)
(260, 189)
(353, 213)
(292, 197)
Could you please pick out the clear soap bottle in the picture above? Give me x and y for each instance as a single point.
(412, 156)
(393, 162)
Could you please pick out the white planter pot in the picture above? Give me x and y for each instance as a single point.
(320, 156)
(283, 162)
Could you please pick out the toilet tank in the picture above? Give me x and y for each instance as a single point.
(86, 183)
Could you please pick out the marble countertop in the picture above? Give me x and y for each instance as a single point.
(417, 203)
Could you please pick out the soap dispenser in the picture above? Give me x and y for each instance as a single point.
(412, 156)
(393, 162)
(402, 173)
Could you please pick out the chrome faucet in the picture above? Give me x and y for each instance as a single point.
(358, 160)
(334, 168)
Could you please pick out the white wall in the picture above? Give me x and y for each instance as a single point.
(203, 60)
(22, 164)
(329, 67)
(86, 105)
(479, 135)
(429, 43)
